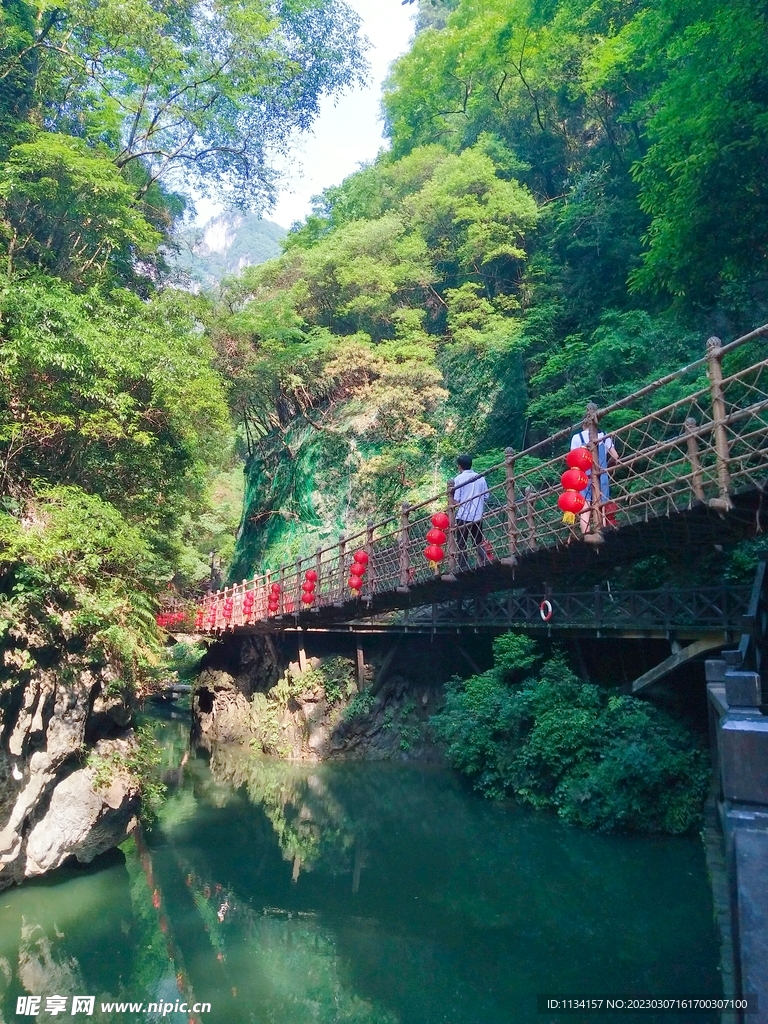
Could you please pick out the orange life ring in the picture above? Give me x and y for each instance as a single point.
(545, 610)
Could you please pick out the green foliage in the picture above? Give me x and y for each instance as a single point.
(81, 570)
(206, 91)
(141, 764)
(338, 349)
(361, 705)
(600, 760)
(69, 211)
(184, 659)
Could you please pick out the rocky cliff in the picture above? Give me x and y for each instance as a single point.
(66, 746)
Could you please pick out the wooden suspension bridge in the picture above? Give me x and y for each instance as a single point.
(691, 472)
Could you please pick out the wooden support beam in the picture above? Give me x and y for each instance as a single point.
(302, 653)
(707, 643)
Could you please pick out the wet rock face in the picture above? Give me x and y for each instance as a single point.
(230, 676)
(52, 804)
(242, 697)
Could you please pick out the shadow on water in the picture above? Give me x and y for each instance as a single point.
(362, 893)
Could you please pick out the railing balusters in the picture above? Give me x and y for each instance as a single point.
(402, 541)
(657, 475)
(342, 570)
(370, 575)
(509, 490)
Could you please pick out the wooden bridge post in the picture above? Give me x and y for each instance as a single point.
(319, 571)
(260, 606)
(281, 595)
(452, 545)
(715, 373)
(509, 488)
(370, 576)
(697, 479)
(298, 607)
(402, 542)
(342, 573)
(595, 513)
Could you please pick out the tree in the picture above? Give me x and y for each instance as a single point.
(205, 91)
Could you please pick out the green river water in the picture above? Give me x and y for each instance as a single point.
(357, 893)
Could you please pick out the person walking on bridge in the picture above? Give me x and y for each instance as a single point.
(469, 493)
(606, 454)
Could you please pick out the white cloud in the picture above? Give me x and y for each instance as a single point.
(348, 131)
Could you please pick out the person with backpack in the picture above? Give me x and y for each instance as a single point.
(606, 452)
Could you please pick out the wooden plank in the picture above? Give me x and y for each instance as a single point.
(707, 643)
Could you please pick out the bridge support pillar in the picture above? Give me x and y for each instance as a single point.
(302, 652)
(740, 752)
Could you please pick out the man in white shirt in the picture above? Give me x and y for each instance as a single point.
(606, 452)
(469, 493)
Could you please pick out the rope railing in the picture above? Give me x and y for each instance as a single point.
(701, 448)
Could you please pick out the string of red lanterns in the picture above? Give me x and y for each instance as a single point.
(166, 619)
(357, 572)
(571, 502)
(308, 586)
(273, 601)
(434, 552)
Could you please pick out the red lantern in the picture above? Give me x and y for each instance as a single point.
(570, 504)
(434, 554)
(355, 584)
(307, 598)
(574, 480)
(436, 536)
(440, 521)
(273, 606)
(308, 586)
(579, 458)
(275, 588)
(357, 569)
(311, 575)
(361, 557)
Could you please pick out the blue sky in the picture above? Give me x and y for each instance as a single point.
(348, 132)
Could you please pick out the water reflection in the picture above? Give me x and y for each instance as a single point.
(359, 893)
